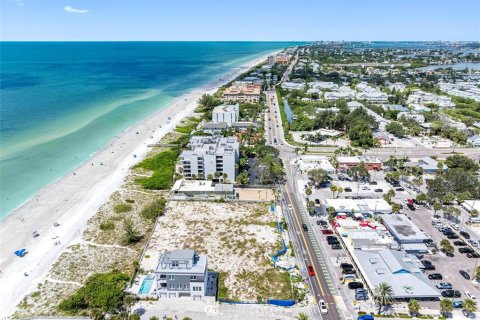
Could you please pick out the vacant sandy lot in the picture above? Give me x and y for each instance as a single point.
(238, 238)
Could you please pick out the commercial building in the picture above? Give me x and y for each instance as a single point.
(370, 163)
(352, 206)
(402, 271)
(271, 60)
(282, 59)
(201, 190)
(407, 234)
(206, 156)
(249, 93)
(310, 162)
(430, 165)
(184, 273)
(227, 113)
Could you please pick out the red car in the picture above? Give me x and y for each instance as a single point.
(327, 231)
(311, 272)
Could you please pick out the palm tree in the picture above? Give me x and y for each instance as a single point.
(469, 305)
(302, 316)
(339, 190)
(333, 188)
(446, 306)
(128, 301)
(131, 235)
(413, 306)
(383, 295)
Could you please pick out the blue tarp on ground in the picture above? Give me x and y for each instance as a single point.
(281, 303)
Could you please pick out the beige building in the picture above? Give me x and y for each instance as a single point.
(247, 93)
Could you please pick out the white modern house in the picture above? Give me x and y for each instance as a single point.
(184, 273)
(227, 113)
(207, 155)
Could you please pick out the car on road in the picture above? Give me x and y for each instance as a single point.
(435, 276)
(355, 285)
(378, 190)
(470, 295)
(323, 307)
(304, 226)
(347, 189)
(444, 285)
(399, 189)
(459, 243)
(465, 274)
(311, 272)
(464, 234)
(336, 246)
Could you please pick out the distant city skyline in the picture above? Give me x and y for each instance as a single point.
(248, 20)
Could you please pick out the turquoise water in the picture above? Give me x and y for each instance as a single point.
(62, 101)
(146, 286)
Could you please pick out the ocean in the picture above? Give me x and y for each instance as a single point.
(62, 101)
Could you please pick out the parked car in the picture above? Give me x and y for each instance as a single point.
(345, 265)
(360, 296)
(349, 271)
(349, 278)
(323, 307)
(470, 295)
(347, 189)
(464, 234)
(355, 285)
(465, 250)
(336, 246)
(473, 255)
(373, 183)
(399, 189)
(304, 226)
(378, 190)
(459, 243)
(465, 274)
(448, 293)
(452, 236)
(327, 231)
(366, 317)
(435, 276)
(311, 272)
(473, 243)
(457, 304)
(444, 285)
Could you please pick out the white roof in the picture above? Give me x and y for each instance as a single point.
(403, 228)
(397, 268)
(359, 205)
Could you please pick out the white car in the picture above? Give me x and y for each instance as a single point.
(323, 307)
(455, 226)
(470, 295)
(473, 243)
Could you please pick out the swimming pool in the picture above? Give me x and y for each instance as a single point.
(147, 283)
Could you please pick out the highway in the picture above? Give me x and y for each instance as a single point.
(306, 251)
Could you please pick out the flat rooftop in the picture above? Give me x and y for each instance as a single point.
(402, 228)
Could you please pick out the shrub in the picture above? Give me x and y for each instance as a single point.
(129, 201)
(102, 292)
(163, 166)
(154, 209)
(122, 207)
(107, 225)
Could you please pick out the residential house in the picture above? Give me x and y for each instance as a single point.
(184, 273)
(474, 140)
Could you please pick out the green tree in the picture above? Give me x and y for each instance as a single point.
(339, 190)
(448, 198)
(436, 207)
(308, 191)
(128, 301)
(318, 175)
(460, 161)
(462, 196)
(302, 316)
(474, 213)
(331, 213)
(333, 188)
(396, 129)
(396, 207)
(154, 318)
(242, 178)
(477, 272)
(383, 295)
(446, 306)
(413, 306)
(451, 212)
(446, 246)
(422, 197)
(469, 305)
(186, 318)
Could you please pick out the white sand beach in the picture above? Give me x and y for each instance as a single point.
(73, 199)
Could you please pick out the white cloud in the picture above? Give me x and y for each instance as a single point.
(71, 9)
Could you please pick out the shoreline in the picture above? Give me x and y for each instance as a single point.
(74, 198)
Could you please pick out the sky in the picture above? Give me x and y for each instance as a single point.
(239, 20)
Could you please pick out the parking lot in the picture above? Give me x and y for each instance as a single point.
(448, 267)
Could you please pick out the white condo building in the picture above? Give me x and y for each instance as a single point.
(226, 113)
(205, 156)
